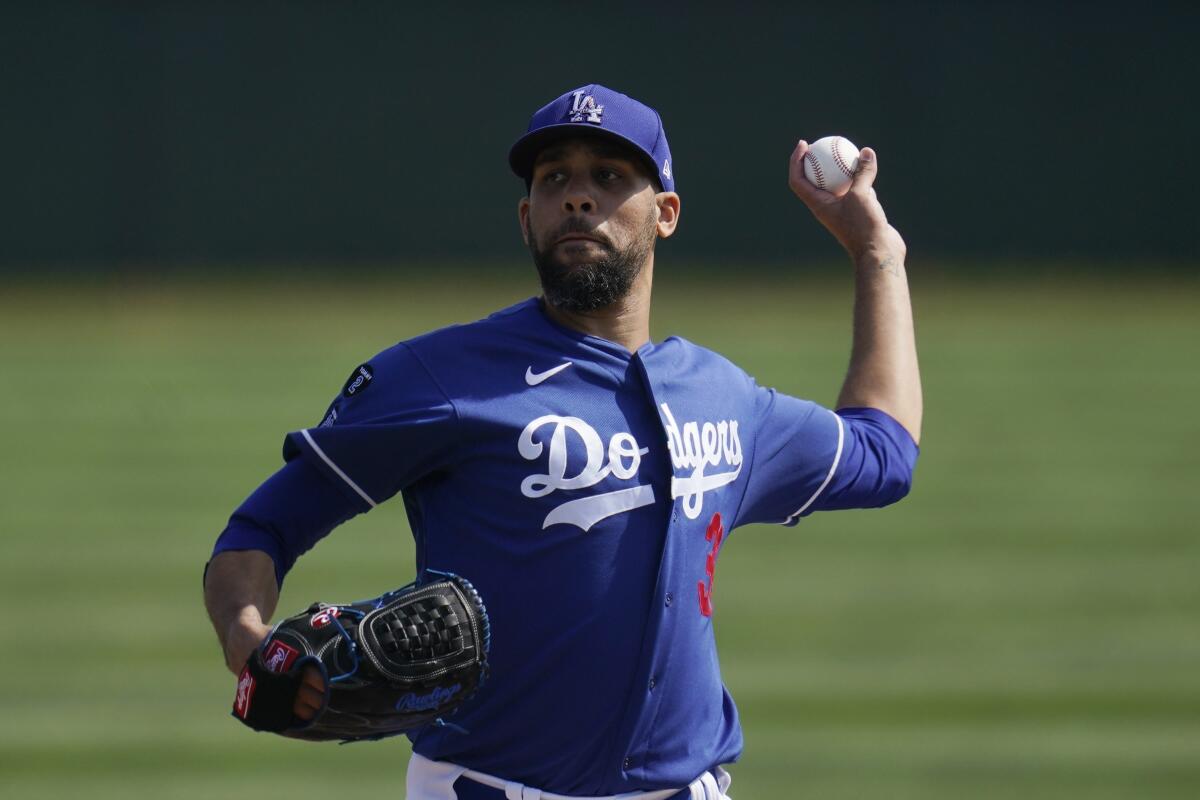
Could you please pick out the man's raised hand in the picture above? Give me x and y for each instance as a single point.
(856, 219)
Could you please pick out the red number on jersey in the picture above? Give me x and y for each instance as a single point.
(714, 534)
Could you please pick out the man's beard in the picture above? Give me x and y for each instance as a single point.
(591, 285)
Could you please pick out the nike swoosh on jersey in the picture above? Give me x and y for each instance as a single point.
(534, 378)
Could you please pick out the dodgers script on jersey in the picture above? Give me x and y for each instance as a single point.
(587, 492)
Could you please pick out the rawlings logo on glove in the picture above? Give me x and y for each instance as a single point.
(389, 665)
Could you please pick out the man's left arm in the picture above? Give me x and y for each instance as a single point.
(883, 372)
(807, 458)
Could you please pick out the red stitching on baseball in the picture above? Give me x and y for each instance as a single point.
(837, 157)
(816, 165)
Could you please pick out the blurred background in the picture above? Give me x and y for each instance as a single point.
(213, 211)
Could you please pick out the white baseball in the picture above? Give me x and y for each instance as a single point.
(830, 162)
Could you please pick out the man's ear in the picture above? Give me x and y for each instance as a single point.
(668, 213)
(523, 218)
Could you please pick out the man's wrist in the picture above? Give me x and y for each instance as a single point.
(883, 251)
(245, 633)
(880, 260)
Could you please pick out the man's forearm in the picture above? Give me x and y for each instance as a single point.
(883, 371)
(240, 594)
(883, 363)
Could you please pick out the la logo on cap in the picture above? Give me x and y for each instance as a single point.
(583, 107)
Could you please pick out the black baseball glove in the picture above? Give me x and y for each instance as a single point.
(390, 665)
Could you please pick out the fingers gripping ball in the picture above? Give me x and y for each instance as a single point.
(388, 665)
(830, 163)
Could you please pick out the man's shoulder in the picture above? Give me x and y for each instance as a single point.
(686, 354)
(461, 337)
(471, 351)
(432, 368)
(693, 370)
(512, 318)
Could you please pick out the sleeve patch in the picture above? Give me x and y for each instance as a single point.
(359, 380)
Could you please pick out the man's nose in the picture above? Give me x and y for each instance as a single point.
(578, 199)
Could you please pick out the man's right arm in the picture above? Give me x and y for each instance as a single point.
(284, 517)
(341, 468)
(240, 595)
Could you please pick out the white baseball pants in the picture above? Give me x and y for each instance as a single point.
(434, 780)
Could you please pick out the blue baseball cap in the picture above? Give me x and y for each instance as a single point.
(596, 110)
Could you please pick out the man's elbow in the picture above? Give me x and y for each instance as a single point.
(878, 463)
(897, 485)
(900, 464)
(896, 464)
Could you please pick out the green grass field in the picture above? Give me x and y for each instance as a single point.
(1026, 624)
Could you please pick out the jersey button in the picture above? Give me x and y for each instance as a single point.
(653, 683)
(670, 598)
(627, 763)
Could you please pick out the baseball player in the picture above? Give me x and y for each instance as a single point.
(586, 478)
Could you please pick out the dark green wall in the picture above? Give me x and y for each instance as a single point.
(159, 135)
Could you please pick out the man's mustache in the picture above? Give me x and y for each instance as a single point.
(575, 225)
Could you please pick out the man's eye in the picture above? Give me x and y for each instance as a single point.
(553, 176)
(608, 175)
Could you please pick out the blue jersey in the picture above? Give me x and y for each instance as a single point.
(587, 492)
